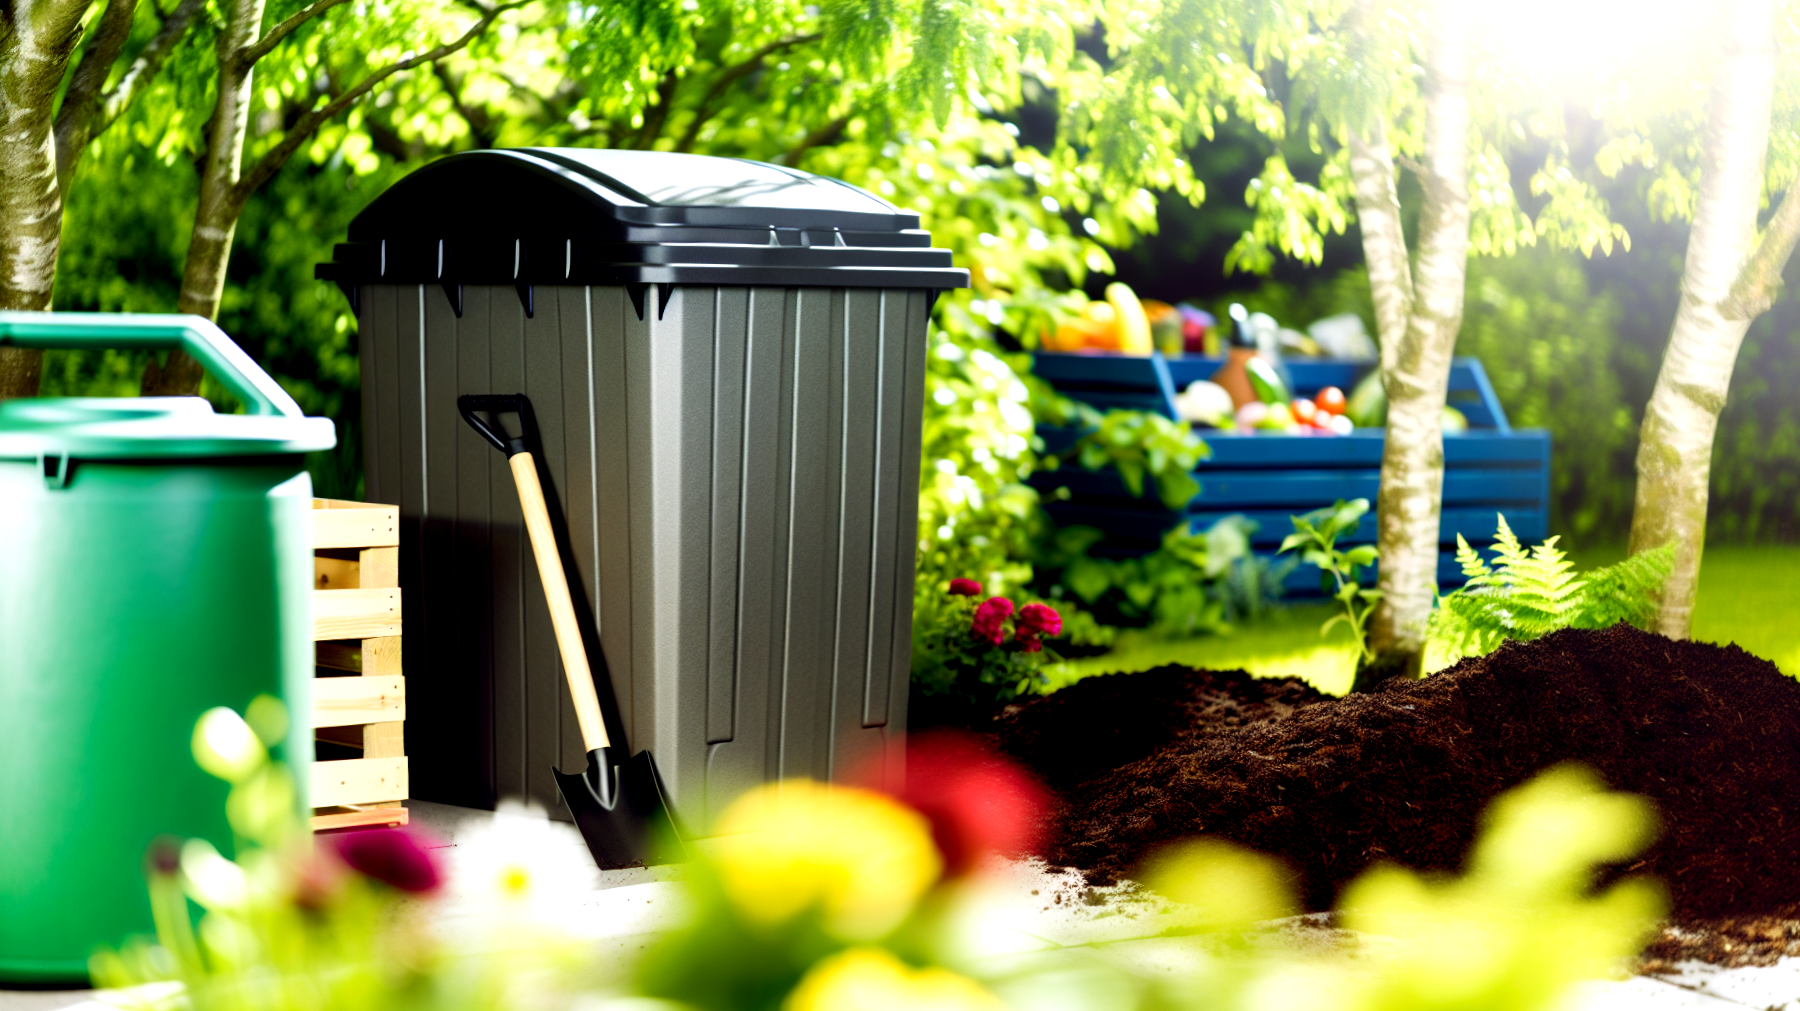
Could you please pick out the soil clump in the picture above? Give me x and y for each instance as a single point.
(1710, 734)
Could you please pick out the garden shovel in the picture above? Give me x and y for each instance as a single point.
(618, 804)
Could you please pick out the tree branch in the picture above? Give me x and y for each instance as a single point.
(77, 126)
(703, 112)
(1759, 280)
(823, 136)
(263, 46)
(658, 114)
(81, 102)
(271, 163)
(481, 125)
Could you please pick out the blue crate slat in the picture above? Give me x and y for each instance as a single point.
(1300, 490)
(1143, 528)
(1475, 523)
(1527, 448)
(1304, 580)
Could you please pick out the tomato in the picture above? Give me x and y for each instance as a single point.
(1330, 400)
(1304, 411)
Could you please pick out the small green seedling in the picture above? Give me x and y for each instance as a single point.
(1317, 533)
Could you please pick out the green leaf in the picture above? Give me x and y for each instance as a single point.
(1361, 555)
(1292, 541)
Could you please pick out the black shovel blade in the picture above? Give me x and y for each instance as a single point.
(621, 811)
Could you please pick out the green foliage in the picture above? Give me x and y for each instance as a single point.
(1139, 444)
(977, 518)
(1527, 594)
(1551, 346)
(1316, 535)
(1191, 585)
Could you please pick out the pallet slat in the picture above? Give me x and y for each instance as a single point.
(357, 817)
(358, 781)
(356, 614)
(354, 701)
(364, 527)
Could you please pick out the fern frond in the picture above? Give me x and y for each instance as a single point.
(1465, 626)
(1474, 568)
(1627, 591)
(1507, 549)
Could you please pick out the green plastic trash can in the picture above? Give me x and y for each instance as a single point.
(155, 561)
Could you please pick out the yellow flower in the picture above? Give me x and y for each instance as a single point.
(862, 858)
(870, 979)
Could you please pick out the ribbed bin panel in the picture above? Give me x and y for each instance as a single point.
(740, 476)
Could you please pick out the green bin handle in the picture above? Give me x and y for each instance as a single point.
(197, 335)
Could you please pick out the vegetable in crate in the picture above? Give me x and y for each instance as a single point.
(1206, 403)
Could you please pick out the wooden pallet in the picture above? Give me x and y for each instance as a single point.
(359, 698)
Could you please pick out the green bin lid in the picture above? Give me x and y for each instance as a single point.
(125, 428)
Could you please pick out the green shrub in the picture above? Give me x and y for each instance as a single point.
(1192, 585)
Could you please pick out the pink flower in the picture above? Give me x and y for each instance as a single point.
(392, 856)
(1028, 645)
(977, 802)
(990, 619)
(964, 587)
(1037, 620)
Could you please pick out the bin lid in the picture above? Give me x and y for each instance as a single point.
(149, 427)
(550, 216)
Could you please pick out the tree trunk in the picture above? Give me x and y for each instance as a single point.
(1417, 370)
(1383, 239)
(36, 40)
(215, 220)
(1674, 458)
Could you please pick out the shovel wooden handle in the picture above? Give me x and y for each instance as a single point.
(562, 607)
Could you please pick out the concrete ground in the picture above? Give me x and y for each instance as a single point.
(1027, 916)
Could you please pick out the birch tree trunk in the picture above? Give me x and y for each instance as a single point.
(1416, 371)
(1383, 239)
(36, 40)
(215, 220)
(1723, 288)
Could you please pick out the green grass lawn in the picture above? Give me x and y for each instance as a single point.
(1748, 595)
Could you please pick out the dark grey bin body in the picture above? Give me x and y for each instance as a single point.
(739, 467)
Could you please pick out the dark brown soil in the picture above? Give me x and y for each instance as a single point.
(1711, 734)
(1729, 941)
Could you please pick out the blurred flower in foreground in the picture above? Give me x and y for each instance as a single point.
(1513, 934)
(395, 857)
(858, 857)
(521, 863)
(872, 979)
(1229, 887)
(964, 587)
(977, 802)
(1520, 926)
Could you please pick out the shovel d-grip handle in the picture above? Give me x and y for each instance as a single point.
(543, 546)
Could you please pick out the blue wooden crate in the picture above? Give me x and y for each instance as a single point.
(1268, 476)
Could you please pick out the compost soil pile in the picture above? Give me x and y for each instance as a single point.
(1402, 773)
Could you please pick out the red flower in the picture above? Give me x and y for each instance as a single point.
(964, 587)
(392, 856)
(977, 802)
(990, 619)
(1037, 620)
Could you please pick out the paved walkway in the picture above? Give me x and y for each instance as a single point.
(1027, 917)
